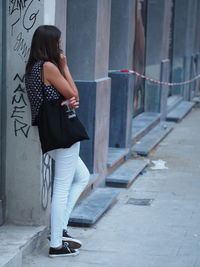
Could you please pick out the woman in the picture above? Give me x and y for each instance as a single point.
(47, 68)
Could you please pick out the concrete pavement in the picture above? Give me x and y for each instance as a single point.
(165, 233)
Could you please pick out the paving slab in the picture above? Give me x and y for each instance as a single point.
(196, 100)
(93, 206)
(125, 175)
(115, 155)
(173, 101)
(152, 138)
(180, 111)
(143, 123)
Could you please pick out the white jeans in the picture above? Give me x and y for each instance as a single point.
(71, 177)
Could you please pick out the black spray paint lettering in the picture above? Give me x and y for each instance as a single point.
(29, 18)
(21, 79)
(19, 107)
(20, 46)
(22, 9)
(18, 99)
(16, 111)
(15, 9)
(46, 180)
(16, 5)
(21, 127)
(19, 89)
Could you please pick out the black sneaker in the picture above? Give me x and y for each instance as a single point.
(73, 243)
(63, 252)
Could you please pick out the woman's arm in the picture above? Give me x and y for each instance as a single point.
(53, 76)
(67, 75)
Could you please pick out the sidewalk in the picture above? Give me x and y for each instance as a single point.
(165, 233)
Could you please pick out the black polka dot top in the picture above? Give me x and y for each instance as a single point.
(34, 86)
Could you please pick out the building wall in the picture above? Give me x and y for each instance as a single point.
(27, 185)
(2, 180)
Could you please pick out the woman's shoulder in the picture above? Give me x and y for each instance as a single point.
(50, 67)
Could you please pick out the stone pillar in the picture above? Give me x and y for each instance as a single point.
(122, 34)
(121, 57)
(197, 47)
(121, 110)
(197, 29)
(157, 48)
(164, 88)
(191, 27)
(88, 32)
(2, 112)
(185, 89)
(192, 85)
(28, 174)
(197, 89)
(185, 14)
(179, 43)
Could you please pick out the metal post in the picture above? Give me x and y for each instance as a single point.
(186, 75)
(197, 89)
(164, 89)
(192, 85)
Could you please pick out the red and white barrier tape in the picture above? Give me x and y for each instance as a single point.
(159, 82)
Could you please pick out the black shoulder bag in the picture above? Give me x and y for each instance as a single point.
(59, 126)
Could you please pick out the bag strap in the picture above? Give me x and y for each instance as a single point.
(42, 78)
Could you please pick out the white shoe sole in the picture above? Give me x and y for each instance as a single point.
(64, 255)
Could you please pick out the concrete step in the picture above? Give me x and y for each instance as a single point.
(153, 138)
(143, 123)
(180, 111)
(91, 184)
(173, 101)
(18, 241)
(196, 101)
(126, 173)
(90, 209)
(116, 156)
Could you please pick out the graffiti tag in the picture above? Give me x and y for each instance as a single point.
(19, 106)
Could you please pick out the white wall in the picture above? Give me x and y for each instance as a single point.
(49, 12)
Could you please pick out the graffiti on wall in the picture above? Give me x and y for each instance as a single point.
(46, 179)
(18, 108)
(21, 47)
(23, 15)
(23, 11)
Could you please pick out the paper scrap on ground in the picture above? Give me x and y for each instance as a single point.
(158, 165)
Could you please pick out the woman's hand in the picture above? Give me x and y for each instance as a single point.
(63, 61)
(67, 75)
(72, 101)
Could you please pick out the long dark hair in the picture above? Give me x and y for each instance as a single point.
(45, 46)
